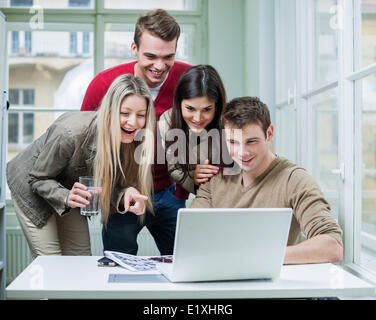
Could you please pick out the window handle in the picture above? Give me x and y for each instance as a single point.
(5, 100)
(340, 171)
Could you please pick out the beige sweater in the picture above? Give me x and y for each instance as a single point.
(282, 185)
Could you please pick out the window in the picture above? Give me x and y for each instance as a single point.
(21, 3)
(117, 44)
(73, 42)
(20, 124)
(48, 4)
(306, 90)
(368, 33)
(86, 43)
(334, 111)
(148, 5)
(13, 129)
(15, 42)
(60, 60)
(58, 73)
(21, 43)
(325, 42)
(286, 78)
(368, 169)
(364, 83)
(28, 42)
(285, 129)
(79, 3)
(325, 145)
(286, 44)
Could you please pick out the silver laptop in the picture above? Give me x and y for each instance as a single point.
(228, 244)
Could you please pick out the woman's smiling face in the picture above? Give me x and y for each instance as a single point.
(198, 112)
(132, 116)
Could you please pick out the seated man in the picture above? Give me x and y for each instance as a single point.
(269, 181)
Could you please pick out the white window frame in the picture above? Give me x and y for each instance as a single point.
(349, 120)
(281, 105)
(353, 78)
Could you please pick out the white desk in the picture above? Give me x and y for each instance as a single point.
(66, 277)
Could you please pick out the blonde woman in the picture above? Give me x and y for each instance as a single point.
(43, 178)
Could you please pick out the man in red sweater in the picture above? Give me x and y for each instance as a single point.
(155, 41)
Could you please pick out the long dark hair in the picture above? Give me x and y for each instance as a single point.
(197, 81)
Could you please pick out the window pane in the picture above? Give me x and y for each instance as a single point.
(15, 42)
(28, 128)
(21, 3)
(12, 127)
(28, 97)
(49, 77)
(325, 145)
(86, 43)
(117, 47)
(285, 132)
(325, 41)
(73, 42)
(368, 174)
(368, 36)
(151, 4)
(28, 42)
(48, 4)
(14, 97)
(285, 50)
(79, 3)
(118, 40)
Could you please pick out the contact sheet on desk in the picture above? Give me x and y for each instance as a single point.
(136, 263)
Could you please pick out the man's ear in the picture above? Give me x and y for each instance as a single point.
(270, 133)
(134, 48)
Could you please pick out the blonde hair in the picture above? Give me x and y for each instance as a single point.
(115, 164)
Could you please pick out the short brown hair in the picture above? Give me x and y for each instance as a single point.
(240, 112)
(159, 23)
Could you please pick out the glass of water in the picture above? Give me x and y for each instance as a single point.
(93, 208)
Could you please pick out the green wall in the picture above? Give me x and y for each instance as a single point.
(241, 47)
(226, 43)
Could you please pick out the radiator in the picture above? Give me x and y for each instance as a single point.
(19, 257)
(18, 253)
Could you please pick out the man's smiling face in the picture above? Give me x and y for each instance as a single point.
(249, 147)
(155, 57)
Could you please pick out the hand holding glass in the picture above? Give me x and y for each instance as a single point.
(92, 207)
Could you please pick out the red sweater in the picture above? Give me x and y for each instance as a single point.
(98, 88)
